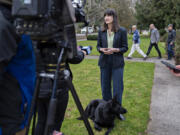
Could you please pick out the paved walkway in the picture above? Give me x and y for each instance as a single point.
(151, 60)
(165, 100)
(165, 103)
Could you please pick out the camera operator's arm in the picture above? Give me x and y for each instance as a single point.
(1, 70)
(176, 74)
(78, 58)
(2, 65)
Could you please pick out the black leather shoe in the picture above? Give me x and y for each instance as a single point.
(121, 117)
(145, 58)
(129, 57)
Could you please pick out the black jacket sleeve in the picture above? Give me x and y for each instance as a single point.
(8, 42)
(124, 47)
(99, 42)
(2, 65)
(77, 59)
(1, 70)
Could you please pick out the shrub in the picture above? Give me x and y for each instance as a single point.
(177, 49)
(92, 37)
(164, 37)
(162, 32)
(144, 36)
(130, 36)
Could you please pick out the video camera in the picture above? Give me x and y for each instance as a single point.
(49, 21)
(51, 24)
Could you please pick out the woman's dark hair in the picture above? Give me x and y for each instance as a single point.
(111, 12)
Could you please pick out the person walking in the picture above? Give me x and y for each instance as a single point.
(171, 41)
(112, 44)
(136, 43)
(154, 39)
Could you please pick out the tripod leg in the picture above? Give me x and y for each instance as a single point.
(34, 120)
(80, 108)
(53, 101)
(33, 103)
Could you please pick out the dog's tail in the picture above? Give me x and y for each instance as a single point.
(109, 130)
(90, 109)
(86, 113)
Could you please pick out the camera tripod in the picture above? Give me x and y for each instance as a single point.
(53, 100)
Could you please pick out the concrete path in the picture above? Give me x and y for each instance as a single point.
(165, 100)
(165, 103)
(151, 60)
(81, 39)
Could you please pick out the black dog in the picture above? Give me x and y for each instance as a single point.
(103, 113)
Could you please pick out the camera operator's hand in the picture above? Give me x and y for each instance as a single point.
(84, 52)
(86, 49)
(176, 74)
(57, 133)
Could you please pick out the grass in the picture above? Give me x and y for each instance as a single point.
(138, 81)
(144, 46)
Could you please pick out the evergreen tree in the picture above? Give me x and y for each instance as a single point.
(95, 11)
(159, 12)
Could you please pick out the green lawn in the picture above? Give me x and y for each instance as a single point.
(144, 46)
(138, 81)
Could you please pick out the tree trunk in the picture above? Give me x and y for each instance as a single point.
(177, 49)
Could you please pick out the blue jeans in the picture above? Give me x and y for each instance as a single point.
(170, 51)
(108, 75)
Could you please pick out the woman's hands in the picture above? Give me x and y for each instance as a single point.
(115, 50)
(109, 51)
(106, 51)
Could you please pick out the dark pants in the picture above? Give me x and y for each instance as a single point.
(156, 47)
(43, 105)
(109, 74)
(11, 115)
(170, 50)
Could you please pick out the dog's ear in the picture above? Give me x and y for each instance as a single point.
(114, 100)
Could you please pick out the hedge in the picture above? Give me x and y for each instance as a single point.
(164, 37)
(162, 32)
(92, 37)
